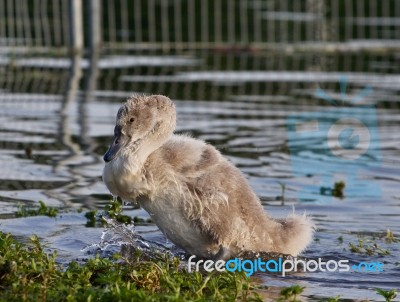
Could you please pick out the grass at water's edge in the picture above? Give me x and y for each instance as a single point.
(27, 273)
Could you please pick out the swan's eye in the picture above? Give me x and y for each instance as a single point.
(117, 141)
(132, 120)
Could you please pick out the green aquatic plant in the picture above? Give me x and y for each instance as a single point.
(28, 273)
(389, 295)
(43, 210)
(362, 248)
(390, 238)
(337, 190)
(290, 293)
(113, 210)
(332, 299)
(92, 219)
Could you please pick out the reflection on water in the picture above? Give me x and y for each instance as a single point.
(57, 116)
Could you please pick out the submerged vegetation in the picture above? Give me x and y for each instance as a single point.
(368, 249)
(337, 190)
(24, 211)
(112, 210)
(369, 245)
(389, 237)
(28, 273)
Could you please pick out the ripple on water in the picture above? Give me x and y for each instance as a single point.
(246, 124)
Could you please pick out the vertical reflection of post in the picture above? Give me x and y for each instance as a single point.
(76, 26)
(72, 87)
(75, 161)
(90, 85)
(74, 150)
(91, 74)
(318, 30)
(318, 33)
(70, 98)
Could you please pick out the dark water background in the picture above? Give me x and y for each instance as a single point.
(56, 123)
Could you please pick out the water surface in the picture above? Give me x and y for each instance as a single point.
(55, 125)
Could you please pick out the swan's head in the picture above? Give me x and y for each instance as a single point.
(143, 123)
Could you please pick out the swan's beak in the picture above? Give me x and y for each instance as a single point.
(114, 148)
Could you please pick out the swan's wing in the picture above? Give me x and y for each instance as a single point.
(215, 192)
(213, 185)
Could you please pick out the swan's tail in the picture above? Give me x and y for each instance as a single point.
(297, 233)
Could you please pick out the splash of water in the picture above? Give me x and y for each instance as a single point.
(125, 239)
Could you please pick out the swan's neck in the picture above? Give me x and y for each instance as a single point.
(137, 155)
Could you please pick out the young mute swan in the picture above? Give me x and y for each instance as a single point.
(199, 200)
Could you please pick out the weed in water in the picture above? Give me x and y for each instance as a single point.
(337, 190)
(290, 293)
(389, 238)
(333, 299)
(389, 295)
(113, 210)
(91, 217)
(43, 210)
(363, 248)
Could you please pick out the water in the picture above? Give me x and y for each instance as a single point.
(56, 125)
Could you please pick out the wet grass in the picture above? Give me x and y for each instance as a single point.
(28, 273)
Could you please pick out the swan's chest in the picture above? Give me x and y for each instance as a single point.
(169, 216)
(125, 182)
